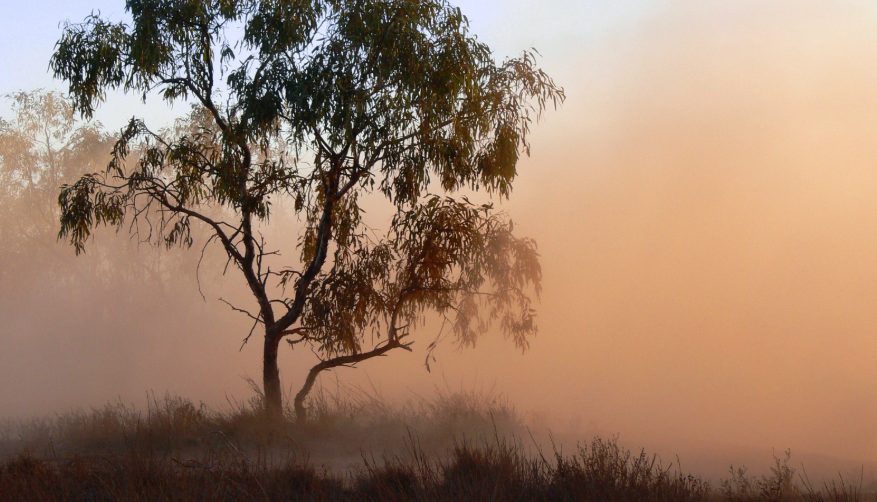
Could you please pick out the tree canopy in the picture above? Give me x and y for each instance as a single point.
(322, 103)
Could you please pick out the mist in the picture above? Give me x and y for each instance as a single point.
(705, 209)
(706, 215)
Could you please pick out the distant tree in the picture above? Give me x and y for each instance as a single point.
(42, 146)
(38, 146)
(321, 102)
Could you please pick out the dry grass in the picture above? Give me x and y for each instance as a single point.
(458, 446)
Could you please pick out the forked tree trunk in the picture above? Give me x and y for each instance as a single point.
(271, 379)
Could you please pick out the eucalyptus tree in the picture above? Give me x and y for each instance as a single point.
(321, 103)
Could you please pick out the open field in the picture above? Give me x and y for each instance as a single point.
(457, 446)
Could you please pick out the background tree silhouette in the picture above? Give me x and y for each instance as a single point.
(43, 146)
(321, 102)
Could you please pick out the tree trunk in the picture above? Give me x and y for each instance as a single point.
(271, 378)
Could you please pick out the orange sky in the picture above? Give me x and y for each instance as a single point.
(706, 209)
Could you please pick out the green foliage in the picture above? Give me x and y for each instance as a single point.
(323, 102)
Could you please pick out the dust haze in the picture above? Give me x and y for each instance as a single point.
(706, 208)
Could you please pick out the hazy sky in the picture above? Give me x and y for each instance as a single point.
(706, 209)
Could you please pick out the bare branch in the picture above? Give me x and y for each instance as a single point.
(242, 311)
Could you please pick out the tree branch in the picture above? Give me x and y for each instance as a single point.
(335, 362)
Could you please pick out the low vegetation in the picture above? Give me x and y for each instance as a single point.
(458, 446)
